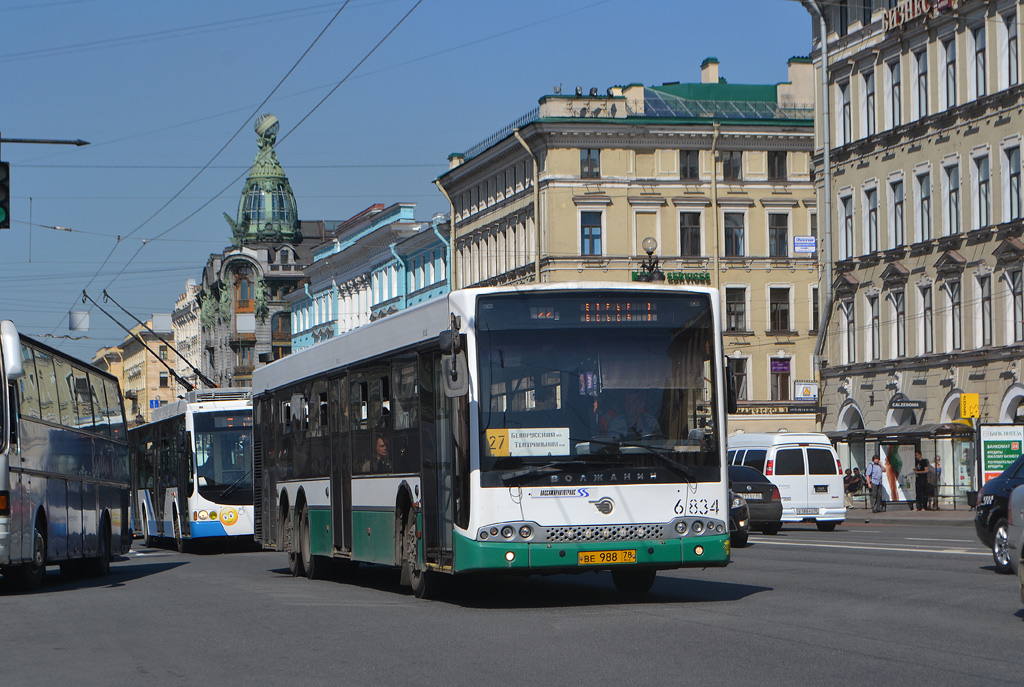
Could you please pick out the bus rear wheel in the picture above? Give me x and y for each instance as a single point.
(634, 581)
(100, 566)
(179, 541)
(424, 582)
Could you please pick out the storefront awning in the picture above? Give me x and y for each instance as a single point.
(903, 433)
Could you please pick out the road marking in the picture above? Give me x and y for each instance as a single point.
(962, 541)
(876, 547)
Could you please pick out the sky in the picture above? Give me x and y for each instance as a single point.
(372, 96)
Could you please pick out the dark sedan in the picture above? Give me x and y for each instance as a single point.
(993, 510)
(739, 521)
(763, 499)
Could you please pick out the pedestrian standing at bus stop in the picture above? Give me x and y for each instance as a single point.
(874, 474)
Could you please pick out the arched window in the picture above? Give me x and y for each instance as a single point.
(280, 211)
(254, 207)
(283, 256)
(245, 291)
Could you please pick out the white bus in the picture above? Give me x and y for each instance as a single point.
(63, 463)
(192, 469)
(529, 429)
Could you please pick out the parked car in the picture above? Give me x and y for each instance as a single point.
(992, 511)
(763, 498)
(1015, 535)
(805, 468)
(739, 521)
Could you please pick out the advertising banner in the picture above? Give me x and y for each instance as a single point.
(1000, 446)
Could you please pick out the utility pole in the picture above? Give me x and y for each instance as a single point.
(5, 173)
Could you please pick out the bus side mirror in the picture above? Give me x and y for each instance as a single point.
(449, 341)
(456, 375)
(11, 345)
(731, 402)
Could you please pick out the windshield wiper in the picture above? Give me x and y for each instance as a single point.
(661, 453)
(547, 468)
(234, 485)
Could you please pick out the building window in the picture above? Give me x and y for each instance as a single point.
(732, 165)
(899, 302)
(952, 200)
(689, 234)
(739, 376)
(280, 210)
(876, 333)
(869, 104)
(865, 12)
(927, 320)
(780, 376)
(846, 118)
(281, 325)
(1012, 73)
(980, 88)
(922, 83)
(895, 94)
(844, 17)
(778, 309)
(815, 311)
(955, 316)
(244, 289)
(590, 163)
(847, 203)
(164, 383)
(1013, 183)
(851, 334)
(735, 309)
(899, 234)
(245, 356)
(777, 165)
(254, 212)
(733, 234)
(1017, 296)
(163, 352)
(985, 293)
(280, 351)
(778, 235)
(590, 232)
(924, 206)
(871, 217)
(949, 50)
(983, 216)
(689, 167)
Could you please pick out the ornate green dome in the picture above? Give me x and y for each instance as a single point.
(267, 209)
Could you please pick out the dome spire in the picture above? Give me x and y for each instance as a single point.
(267, 210)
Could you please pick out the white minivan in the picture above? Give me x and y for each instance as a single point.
(804, 467)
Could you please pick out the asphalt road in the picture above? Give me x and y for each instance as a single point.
(871, 603)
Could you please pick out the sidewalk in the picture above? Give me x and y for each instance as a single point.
(897, 513)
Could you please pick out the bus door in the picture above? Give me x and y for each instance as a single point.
(436, 452)
(181, 447)
(341, 466)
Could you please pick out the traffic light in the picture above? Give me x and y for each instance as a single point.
(5, 195)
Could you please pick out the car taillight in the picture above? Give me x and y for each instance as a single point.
(776, 494)
(769, 467)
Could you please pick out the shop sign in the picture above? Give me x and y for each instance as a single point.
(803, 245)
(683, 277)
(904, 12)
(906, 405)
(793, 409)
(805, 391)
(1000, 446)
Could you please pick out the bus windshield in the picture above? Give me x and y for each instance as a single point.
(572, 385)
(224, 456)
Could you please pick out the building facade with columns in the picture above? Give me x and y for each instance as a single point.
(928, 295)
(373, 265)
(717, 173)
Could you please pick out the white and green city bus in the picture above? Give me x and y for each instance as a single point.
(63, 463)
(530, 429)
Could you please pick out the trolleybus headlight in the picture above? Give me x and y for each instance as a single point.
(213, 515)
(698, 527)
(510, 556)
(699, 550)
(494, 531)
(202, 515)
(719, 528)
(483, 534)
(681, 527)
(525, 531)
(711, 525)
(507, 532)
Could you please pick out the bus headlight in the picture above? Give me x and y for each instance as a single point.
(203, 515)
(507, 532)
(698, 527)
(525, 531)
(681, 527)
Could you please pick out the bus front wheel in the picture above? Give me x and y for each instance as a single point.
(634, 581)
(313, 565)
(424, 582)
(34, 572)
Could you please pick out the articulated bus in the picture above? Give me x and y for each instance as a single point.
(64, 486)
(531, 429)
(192, 469)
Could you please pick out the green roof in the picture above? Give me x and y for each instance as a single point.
(719, 91)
